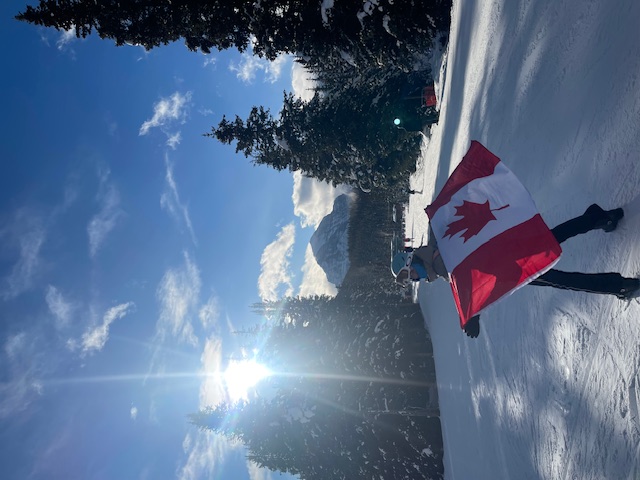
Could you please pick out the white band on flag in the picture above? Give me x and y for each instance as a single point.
(500, 189)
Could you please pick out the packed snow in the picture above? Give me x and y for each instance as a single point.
(550, 388)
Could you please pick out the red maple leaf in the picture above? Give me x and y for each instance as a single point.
(474, 217)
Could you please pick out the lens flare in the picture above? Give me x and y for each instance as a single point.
(240, 376)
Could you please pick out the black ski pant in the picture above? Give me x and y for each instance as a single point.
(606, 283)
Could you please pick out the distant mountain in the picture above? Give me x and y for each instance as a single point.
(329, 242)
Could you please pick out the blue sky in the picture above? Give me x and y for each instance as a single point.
(130, 248)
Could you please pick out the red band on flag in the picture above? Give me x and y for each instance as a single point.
(511, 259)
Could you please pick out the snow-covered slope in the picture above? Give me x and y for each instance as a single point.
(330, 241)
(550, 388)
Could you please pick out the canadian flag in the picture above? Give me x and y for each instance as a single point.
(489, 232)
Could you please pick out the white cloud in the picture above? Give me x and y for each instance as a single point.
(275, 265)
(178, 295)
(302, 82)
(250, 64)
(173, 140)
(186, 443)
(206, 451)
(22, 273)
(20, 383)
(60, 308)
(106, 219)
(66, 37)
(313, 200)
(274, 69)
(314, 280)
(167, 110)
(170, 201)
(17, 394)
(71, 344)
(209, 61)
(258, 473)
(28, 233)
(246, 69)
(133, 413)
(96, 338)
(15, 344)
(212, 391)
(209, 313)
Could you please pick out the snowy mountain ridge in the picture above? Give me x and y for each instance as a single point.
(329, 242)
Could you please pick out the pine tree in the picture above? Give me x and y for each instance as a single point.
(203, 24)
(385, 31)
(343, 135)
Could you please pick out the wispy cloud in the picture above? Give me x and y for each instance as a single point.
(27, 232)
(60, 308)
(167, 112)
(20, 372)
(133, 413)
(106, 219)
(258, 473)
(174, 140)
(14, 344)
(212, 391)
(17, 394)
(250, 64)
(209, 60)
(178, 294)
(314, 280)
(65, 38)
(96, 338)
(209, 313)
(313, 200)
(170, 201)
(275, 265)
(204, 451)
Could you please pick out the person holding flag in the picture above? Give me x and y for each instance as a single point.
(487, 239)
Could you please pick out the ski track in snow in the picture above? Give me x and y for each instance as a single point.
(547, 390)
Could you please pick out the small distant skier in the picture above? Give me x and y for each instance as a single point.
(426, 263)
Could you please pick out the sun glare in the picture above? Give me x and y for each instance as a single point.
(240, 376)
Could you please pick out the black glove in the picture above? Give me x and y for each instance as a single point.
(472, 327)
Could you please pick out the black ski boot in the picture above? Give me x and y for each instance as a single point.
(630, 289)
(607, 219)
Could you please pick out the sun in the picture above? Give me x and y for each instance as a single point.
(240, 376)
